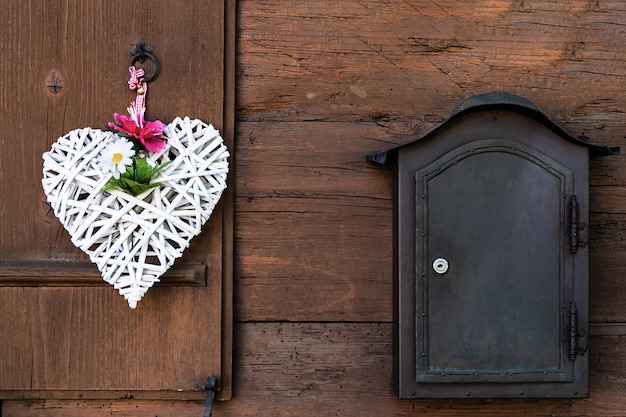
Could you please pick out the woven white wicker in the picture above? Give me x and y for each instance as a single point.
(134, 240)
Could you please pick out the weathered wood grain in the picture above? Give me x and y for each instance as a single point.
(314, 259)
(313, 235)
(321, 83)
(355, 60)
(410, 63)
(150, 349)
(300, 369)
(402, 66)
(301, 183)
(309, 159)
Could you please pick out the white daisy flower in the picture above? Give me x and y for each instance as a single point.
(116, 156)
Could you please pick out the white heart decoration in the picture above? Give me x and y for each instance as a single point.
(134, 240)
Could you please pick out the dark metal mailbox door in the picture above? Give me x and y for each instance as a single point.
(491, 222)
(492, 289)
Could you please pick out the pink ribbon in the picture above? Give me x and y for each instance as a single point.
(136, 82)
(136, 77)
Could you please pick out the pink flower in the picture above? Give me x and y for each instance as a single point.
(148, 133)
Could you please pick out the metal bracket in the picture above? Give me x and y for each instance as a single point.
(209, 386)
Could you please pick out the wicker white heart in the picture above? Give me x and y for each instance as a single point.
(134, 240)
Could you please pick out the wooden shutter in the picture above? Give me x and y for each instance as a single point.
(66, 333)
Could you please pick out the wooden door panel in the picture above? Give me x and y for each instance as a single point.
(63, 66)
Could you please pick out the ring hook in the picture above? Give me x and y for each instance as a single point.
(140, 53)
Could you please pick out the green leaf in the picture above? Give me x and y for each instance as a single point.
(135, 188)
(112, 183)
(137, 178)
(128, 185)
(143, 171)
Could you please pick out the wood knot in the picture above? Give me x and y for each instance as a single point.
(55, 82)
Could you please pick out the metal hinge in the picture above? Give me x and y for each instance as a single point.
(577, 337)
(577, 230)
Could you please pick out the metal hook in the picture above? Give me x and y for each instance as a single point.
(140, 53)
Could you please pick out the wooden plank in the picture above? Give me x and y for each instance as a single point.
(117, 348)
(32, 273)
(283, 274)
(607, 226)
(126, 408)
(305, 182)
(287, 369)
(606, 264)
(350, 278)
(309, 159)
(610, 200)
(339, 61)
(404, 59)
(608, 171)
(15, 339)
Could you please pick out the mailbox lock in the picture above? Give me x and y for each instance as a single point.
(440, 265)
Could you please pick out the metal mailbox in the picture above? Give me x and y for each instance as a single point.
(491, 255)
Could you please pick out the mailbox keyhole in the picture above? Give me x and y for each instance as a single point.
(440, 265)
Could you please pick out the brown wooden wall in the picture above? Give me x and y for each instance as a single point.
(321, 83)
